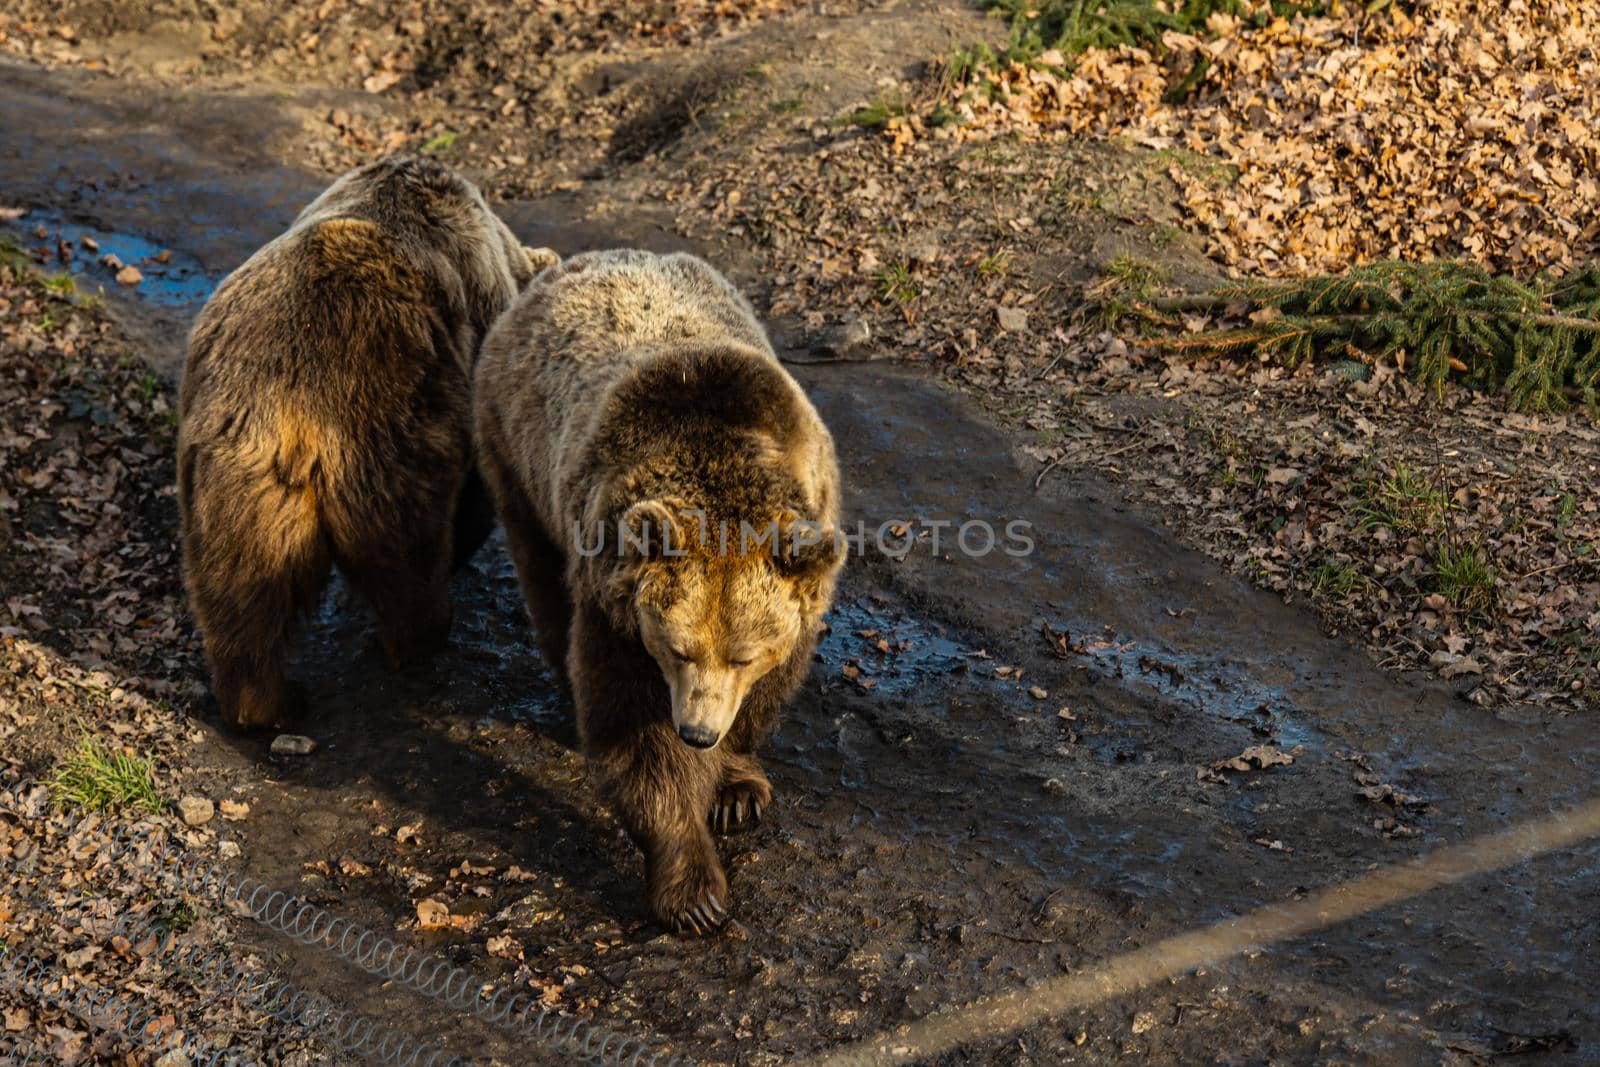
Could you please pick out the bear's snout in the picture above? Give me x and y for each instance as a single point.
(698, 736)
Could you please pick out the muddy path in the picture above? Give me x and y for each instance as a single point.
(941, 830)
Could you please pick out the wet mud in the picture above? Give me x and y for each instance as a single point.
(1002, 768)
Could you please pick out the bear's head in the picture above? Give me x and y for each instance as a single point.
(719, 605)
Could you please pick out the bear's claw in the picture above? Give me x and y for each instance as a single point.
(739, 805)
(704, 917)
(691, 901)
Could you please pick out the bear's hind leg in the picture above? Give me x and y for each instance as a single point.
(401, 567)
(254, 561)
(474, 520)
(742, 794)
(410, 595)
(539, 562)
(247, 626)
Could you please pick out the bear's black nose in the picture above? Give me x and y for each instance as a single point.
(698, 736)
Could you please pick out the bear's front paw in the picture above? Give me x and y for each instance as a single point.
(691, 898)
(740, 803)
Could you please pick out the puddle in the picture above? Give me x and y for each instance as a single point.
(1205, 684)
(57, 244)
(878, 648)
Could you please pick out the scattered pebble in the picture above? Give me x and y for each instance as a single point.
(1012, 320)
(129, 276)
(196, 811)
(234, 810)
(293, 745)
(844, 339)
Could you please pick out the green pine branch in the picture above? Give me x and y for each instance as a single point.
(1446, 320)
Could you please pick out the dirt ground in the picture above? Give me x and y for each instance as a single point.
(1002, 769)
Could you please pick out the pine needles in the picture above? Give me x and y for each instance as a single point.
(1443, 320)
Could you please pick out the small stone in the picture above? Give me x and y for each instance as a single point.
(1012, 320)
(1053, 785)
(196, 811)
(174, 1058)
(129, 276)
(924, 249)
(110, 261)
(1038, 692)
(293, 745)
(1143, 1021)
(228, 850)
(234, 810)
(844, 338)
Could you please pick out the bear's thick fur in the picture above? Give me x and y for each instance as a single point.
(325, 417)
(670, 498)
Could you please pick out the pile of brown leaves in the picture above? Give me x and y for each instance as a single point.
(107, 927)
(88, 553)
(91, 642)
(1465, 128)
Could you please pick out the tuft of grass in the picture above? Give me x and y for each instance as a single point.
(97, 779)
(60, 284)
(1566, 511)
(1167, 235)
(787, 106)
(994, 266)
(12, 257)
(895, 283)
(1125, 283)
(1337, 579)
(1073, 27)
(1463, 575)
(877, 114)
(441, 142)
(1405, 501)
(1213, 172)
(177, 919)
(1131, 276)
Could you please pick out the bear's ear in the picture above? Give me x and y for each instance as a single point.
(651, 529)
(807, 550)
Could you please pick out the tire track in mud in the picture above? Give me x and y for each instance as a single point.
(941, 831)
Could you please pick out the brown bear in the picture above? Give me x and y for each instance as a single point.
(325, 418)
(670, 498)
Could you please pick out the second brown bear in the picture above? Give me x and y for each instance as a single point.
(670, 498)
(326, 419)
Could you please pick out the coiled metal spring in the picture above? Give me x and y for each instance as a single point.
(101, 1008)
(382, 957)
(310, 1014)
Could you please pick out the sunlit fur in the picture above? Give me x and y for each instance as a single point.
(635, 392)
(325, 417)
